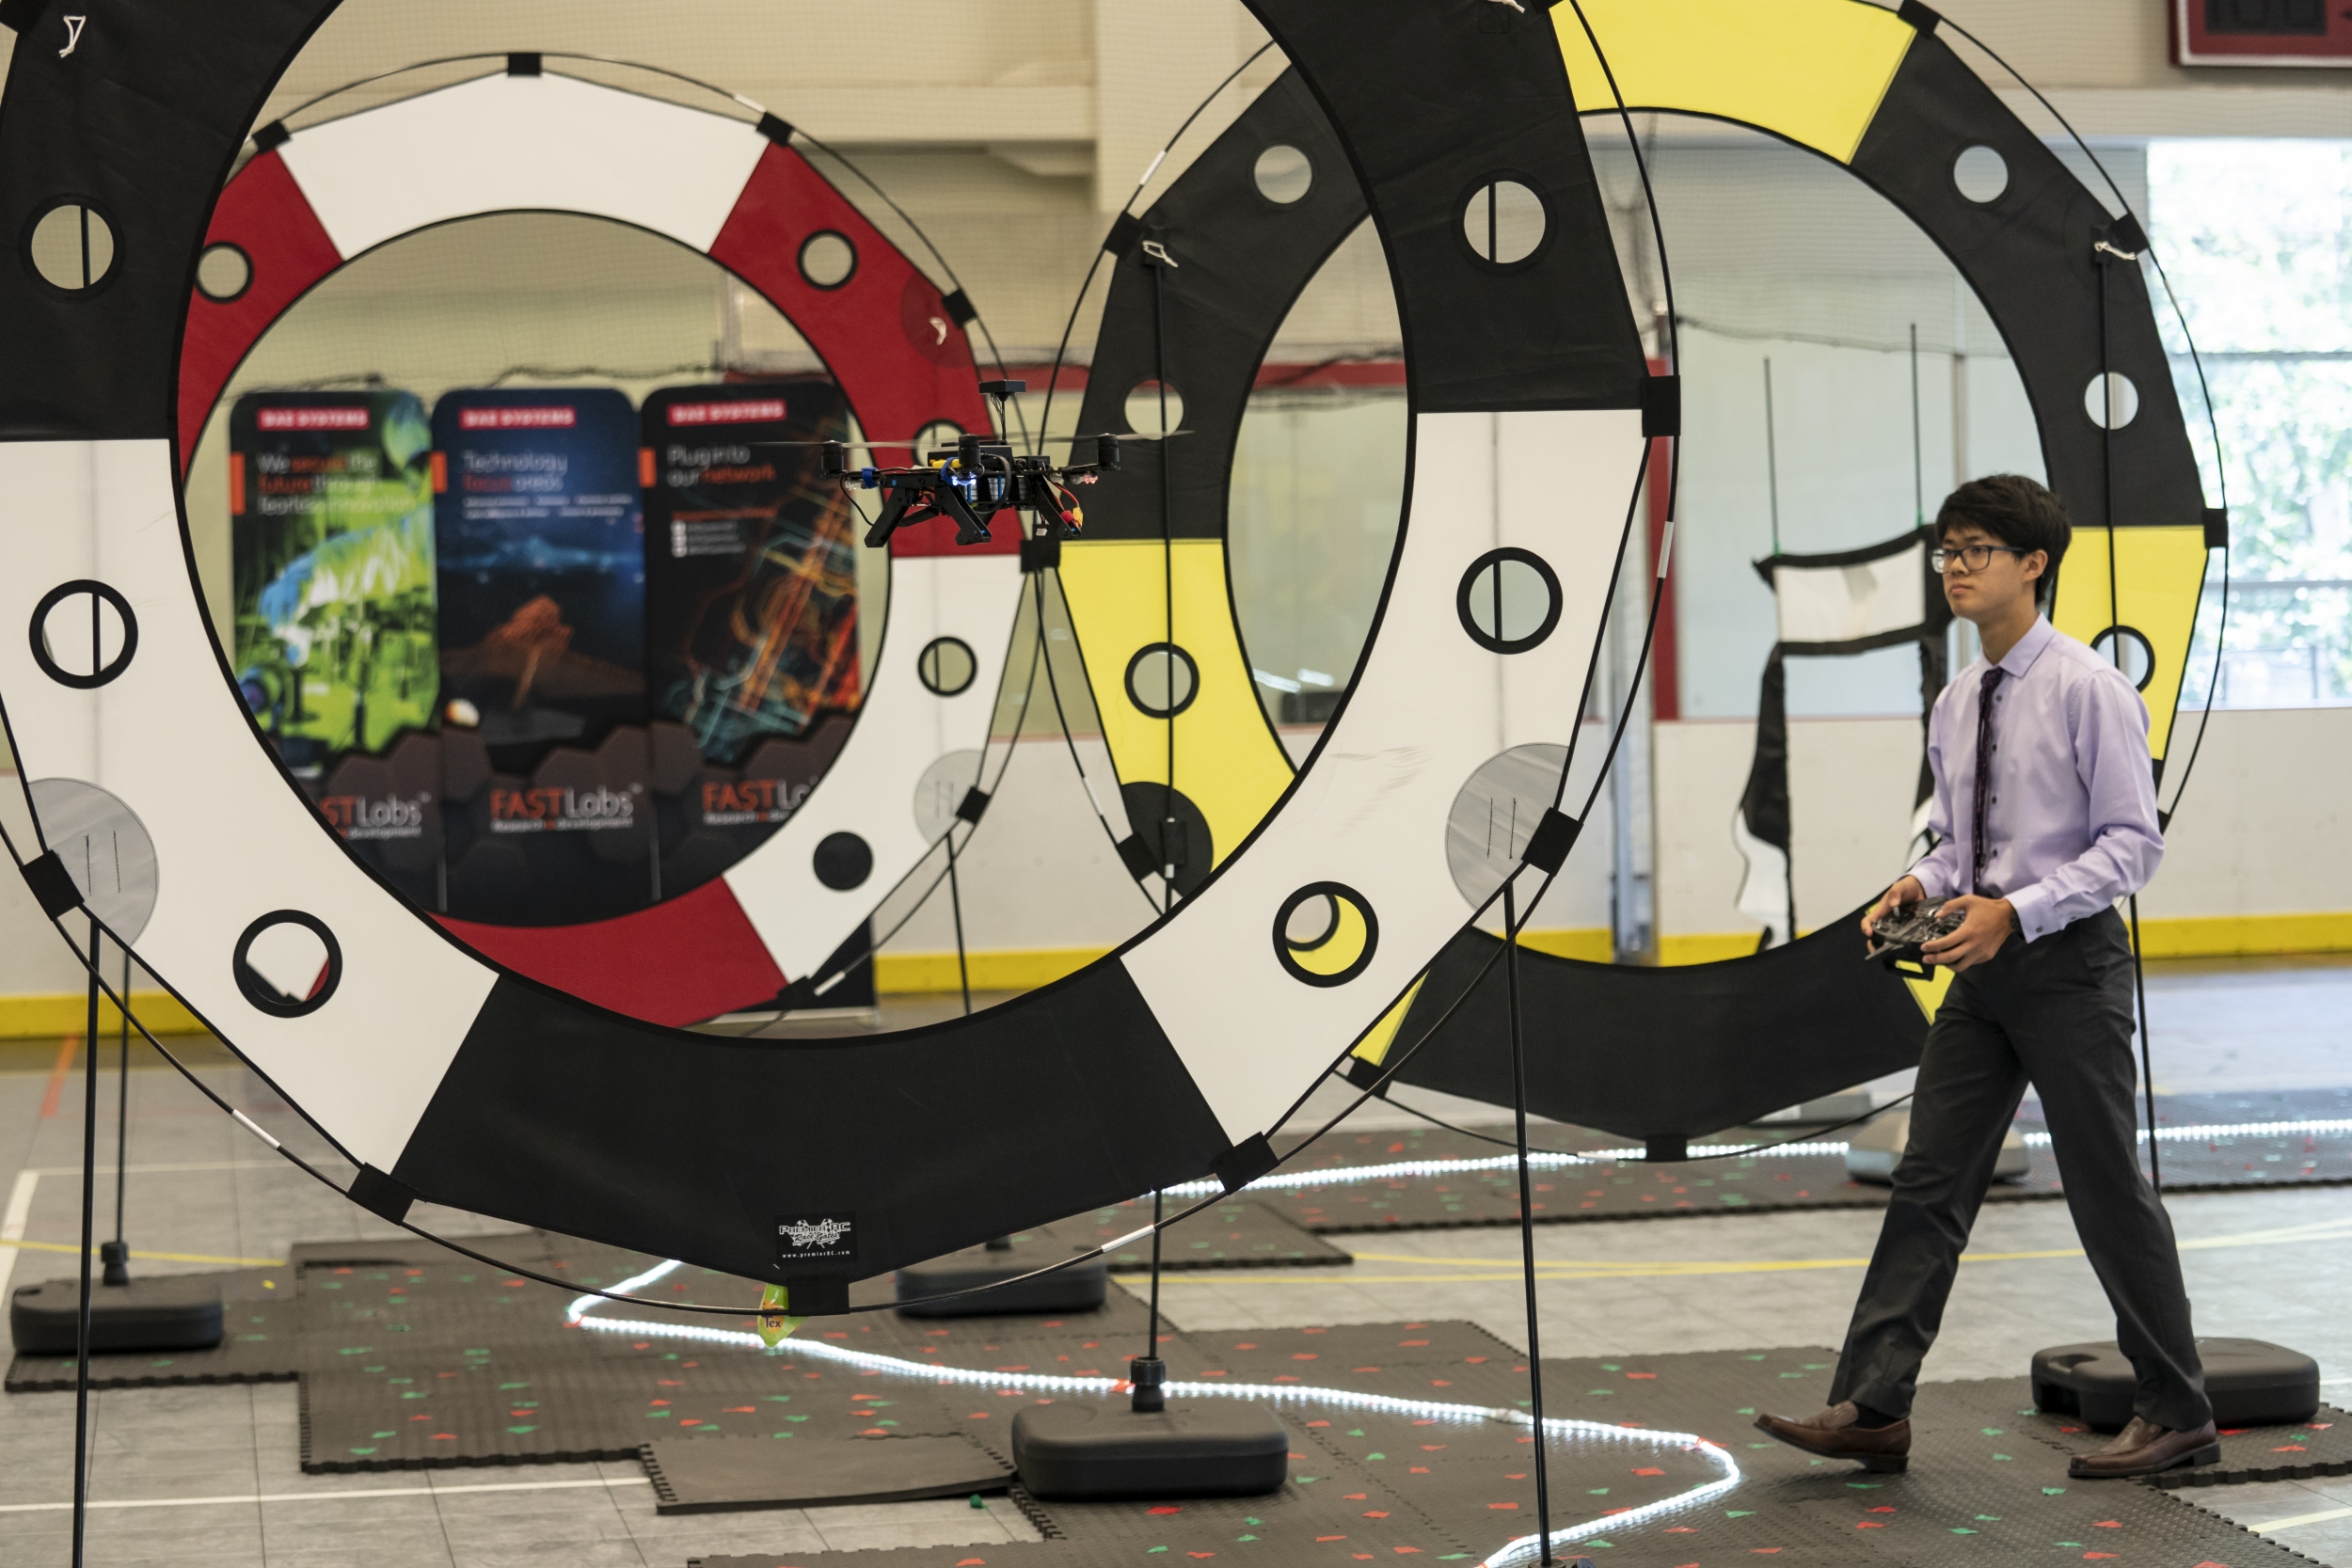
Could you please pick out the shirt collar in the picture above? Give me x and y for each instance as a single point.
(2021, 658)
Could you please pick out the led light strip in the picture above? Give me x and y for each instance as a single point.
(1548, 1161)
(2222, 1130)
(1545, 1161)
(1511, 1553)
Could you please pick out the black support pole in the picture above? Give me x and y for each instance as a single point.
(90, 1218)
(1527, 1221)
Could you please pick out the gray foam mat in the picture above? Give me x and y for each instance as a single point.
(722, 1474)
(1235, 1233)
(1635, 1189)
(1367, 1487)
(2319, 1447)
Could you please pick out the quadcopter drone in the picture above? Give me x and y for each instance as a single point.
(971, 482)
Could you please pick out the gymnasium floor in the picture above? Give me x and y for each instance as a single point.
(196, 1477)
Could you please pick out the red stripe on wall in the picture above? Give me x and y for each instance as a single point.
(1665, 653)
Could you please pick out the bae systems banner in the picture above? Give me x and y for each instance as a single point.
(641, 628)
(330, 508)
(331, 562)
(547, 806)
(751, 611)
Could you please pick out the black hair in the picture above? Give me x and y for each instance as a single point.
(2013, 509)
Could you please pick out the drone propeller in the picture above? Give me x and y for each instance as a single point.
(910, 446)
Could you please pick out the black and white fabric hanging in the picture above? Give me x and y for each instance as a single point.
(1833, 604)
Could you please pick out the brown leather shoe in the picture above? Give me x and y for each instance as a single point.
(2143, 1448)
(1834, 1435)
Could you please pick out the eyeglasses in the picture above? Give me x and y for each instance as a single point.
(1972, 558)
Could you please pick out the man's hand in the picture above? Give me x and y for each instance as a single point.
(1988, 925)
(1905, 890)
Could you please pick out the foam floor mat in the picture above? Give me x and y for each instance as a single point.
(1602, 1190)
(257, 1344)
(1983, 1488)
(2320, 1446)
(696, 1475)
(1634, 1189)
(1236, 1233)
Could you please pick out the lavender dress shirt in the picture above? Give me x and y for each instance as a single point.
(2071, 819)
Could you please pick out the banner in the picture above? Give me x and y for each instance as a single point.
(331, 530)
(542, 567)
(751, 612)
(545, 767)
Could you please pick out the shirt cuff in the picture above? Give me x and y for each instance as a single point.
(1930, 880)
(2032, 904)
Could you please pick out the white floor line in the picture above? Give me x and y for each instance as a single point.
(12, 1221)
(170, 1170)
(2319, 1518)
(249, 1498)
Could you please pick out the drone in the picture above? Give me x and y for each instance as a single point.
(971, 483)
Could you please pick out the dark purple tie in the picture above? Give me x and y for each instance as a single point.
(1984, 774)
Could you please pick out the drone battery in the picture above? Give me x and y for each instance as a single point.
(1080, 1287)
(2251, 1383)
(1072, 1450)
(159, 1312)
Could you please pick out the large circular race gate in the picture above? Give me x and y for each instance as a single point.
(1870, 90)
(446, 1077)
(529, 138)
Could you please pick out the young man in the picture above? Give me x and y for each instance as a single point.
(2045, 814)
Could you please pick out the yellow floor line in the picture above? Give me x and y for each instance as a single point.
(156, 1257)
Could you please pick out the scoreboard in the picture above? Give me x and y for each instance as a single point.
(2261, 32)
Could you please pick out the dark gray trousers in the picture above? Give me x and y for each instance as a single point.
(2056, 1012)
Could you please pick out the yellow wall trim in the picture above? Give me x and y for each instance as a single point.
(1016, 968)
(48, 1017)
(2254, 935)
(2181, 937)
(1594, 945)
(1705, 947)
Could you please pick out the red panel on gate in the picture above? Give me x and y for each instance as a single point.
(884, 331)
(686, 959)
(265, 214)
(885, 334)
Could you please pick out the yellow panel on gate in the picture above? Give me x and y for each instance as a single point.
(1812, 70)
(1929, 993)
(1227, 762)
(2159, 573)
(1374, 1047)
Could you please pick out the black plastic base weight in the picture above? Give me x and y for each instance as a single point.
(161, 1312)
(2250, 1381)
(1070, 1450)
(1080, 1287)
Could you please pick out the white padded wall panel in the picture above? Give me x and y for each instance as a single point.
(523, 143)
(1371, 811)
(1837, 603)
(1583, 468)
(902, 730)
(234, 841)
(48, 496)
